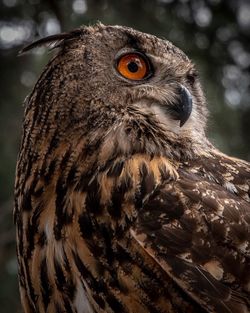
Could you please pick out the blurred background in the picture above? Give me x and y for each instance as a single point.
(214, 33)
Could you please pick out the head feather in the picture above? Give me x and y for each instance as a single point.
(53, 41)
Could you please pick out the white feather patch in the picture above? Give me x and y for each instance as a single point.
(81, 301)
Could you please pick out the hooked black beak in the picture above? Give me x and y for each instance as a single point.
(183, 108)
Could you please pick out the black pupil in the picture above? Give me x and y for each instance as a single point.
(133, 67)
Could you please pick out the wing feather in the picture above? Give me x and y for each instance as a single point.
(199, 233)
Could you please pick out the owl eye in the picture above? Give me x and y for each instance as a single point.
(133, 66)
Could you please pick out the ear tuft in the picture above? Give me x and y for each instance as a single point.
(53, 41)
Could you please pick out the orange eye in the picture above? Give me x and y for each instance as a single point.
(133, 66)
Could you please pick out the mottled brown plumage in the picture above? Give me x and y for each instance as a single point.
(117, 207)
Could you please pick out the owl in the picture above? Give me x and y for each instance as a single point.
(122, 205)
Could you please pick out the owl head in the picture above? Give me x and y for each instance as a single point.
(125, 90)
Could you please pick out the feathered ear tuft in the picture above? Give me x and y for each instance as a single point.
(53, 41)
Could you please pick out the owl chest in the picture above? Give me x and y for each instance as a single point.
(74, 244)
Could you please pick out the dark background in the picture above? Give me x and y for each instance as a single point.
(214, 33)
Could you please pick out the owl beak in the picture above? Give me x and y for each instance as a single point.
(183, 108)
